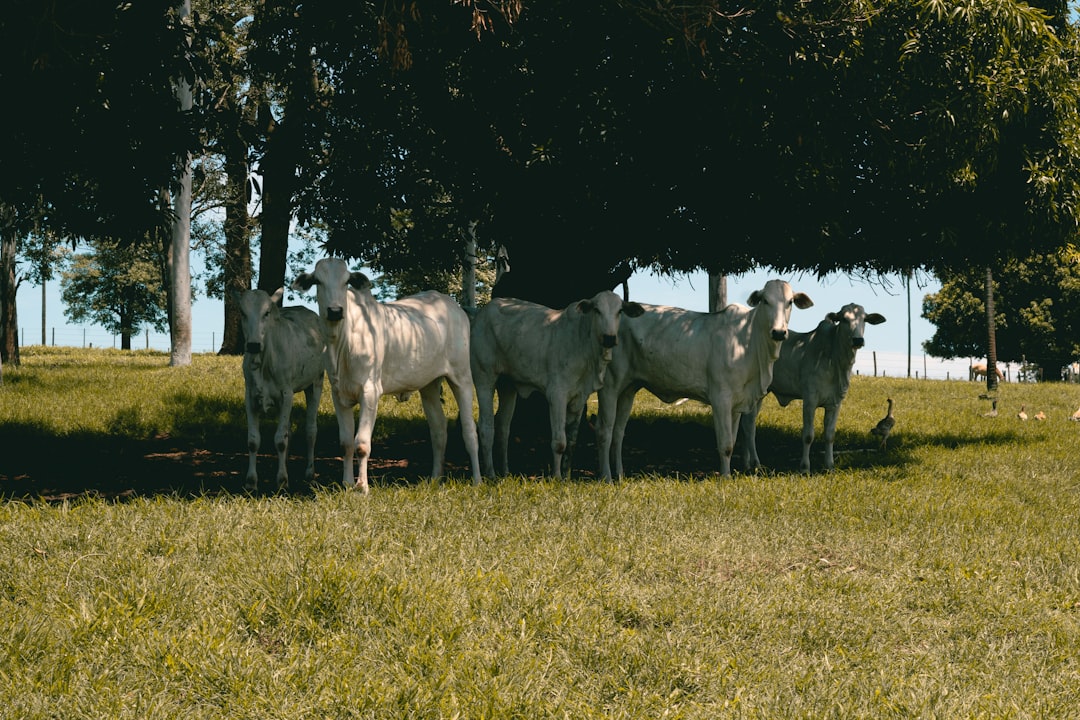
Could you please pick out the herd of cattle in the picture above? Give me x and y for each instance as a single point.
(729, 360)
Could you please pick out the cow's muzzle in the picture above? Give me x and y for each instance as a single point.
(609, 341)
(254, 348)
(334, 314)
(779, 335)
(857, 342)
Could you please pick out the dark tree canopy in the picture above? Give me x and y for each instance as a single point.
(821, 136)
(831, 135)
(91, 122)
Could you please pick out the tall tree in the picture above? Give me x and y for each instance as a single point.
(118, 286)
(1037, 312)
(991, 333)
(178, 250)
(852, 137)
(9, 319)
(230, 99)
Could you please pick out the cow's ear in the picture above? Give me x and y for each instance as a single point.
(803, 301)
(754, 299)
(834, 317)
(875, 318)
(303, 282)
(359, 281)
(585, 306)
(278, 294)
(632, 309)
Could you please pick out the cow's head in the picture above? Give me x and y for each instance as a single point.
(852, 319)
(257, 309)
(775, 301)
(333, 280)
(605, 309)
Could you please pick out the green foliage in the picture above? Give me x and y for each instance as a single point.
(94, 131)
(1036, 301)
(117, 286)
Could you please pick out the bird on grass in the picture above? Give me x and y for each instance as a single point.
(1075, 416)
(1022, 415)
(885, 425)
(993, 409)
(1040, 415)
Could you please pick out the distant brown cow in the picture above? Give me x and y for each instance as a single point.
(978, 372)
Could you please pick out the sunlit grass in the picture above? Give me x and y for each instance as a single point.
(938, 579)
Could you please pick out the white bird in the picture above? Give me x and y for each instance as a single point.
(993, 409)
(885, 425)
(1075, 416)
(1022, 415)
(1040, 415)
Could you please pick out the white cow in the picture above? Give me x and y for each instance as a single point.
(393, 348)
(283, 355)
(519, 347)
(814, 367)
(724, 359)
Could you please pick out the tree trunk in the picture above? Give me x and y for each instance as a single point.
(991, 328)
(717, 292)
(907, 286)
(468, 275)
(178, 258)
(9, 317)
(43, 296)
(279, 181)
(237, 269)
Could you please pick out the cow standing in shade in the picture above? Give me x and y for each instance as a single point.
(814, 367)
(375, 349)
(724, 359)
(283, 355)
(519, 347)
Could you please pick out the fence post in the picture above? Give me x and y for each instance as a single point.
(875, 363)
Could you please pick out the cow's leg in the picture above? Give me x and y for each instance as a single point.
(251, 481)
(281, 437)
(574, 417)
(312, 396)
(431, 398)
(808, 410)
(369, 408)
(557, 417)
(748, 428)
(507, 402)
(607, 402)
(485, 402)
(346, 423)
(725, 419)
(463, 394)
(832, 413)
(622, 415)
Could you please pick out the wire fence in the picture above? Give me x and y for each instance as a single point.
(96, 337)
(867, 362)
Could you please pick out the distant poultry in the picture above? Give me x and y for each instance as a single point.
(1075, 416)
(993, 409)
(1022, 415)
(885, 425)
(1040, 415)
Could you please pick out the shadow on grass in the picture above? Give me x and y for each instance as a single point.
(204, 452)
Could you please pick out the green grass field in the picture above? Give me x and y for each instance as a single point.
(940, 579)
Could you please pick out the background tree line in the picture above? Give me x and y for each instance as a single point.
(866, 136)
